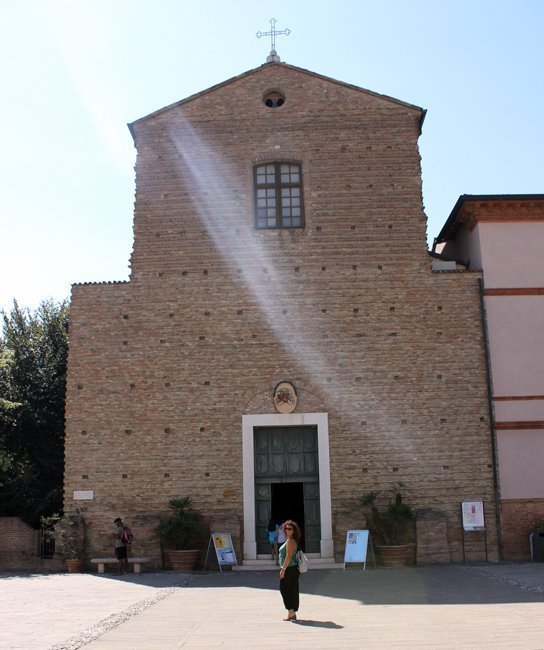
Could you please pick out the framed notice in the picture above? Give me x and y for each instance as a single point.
(83, 495)
(224, 550)
(473, 519)
(357, 543)
(472, 513)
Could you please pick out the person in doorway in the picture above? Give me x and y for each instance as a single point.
(280, 537)
(120, 546)
(289, 569)
(273, 538)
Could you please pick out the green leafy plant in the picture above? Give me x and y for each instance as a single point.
(183, 527)
(391, 523)
(69, 533)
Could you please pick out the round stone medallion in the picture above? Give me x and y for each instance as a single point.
(285, 397)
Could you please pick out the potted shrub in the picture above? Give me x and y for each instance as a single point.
(179, 533)
(390, 526)
(69, 534)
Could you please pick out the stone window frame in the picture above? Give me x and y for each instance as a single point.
(287, 195)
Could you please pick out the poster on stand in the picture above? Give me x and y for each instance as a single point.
(224, 549)
(473, 515)
(357, 542)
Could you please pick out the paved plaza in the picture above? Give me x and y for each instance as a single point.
(455, 606)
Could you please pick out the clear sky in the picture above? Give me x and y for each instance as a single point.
(74, 72)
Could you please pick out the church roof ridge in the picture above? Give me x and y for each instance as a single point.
(242, 75)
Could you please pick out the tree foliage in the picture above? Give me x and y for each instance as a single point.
(33, 355)
(183, 526)
(391, 524)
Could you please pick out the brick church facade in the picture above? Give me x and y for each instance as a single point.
(279, 241)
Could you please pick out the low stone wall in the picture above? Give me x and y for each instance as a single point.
(519, 517)
(19, 548)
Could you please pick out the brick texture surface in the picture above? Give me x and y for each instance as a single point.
(519, 518)
(162, 368)
(432, 537)
(19, 549)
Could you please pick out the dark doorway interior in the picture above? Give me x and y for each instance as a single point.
(288, 503)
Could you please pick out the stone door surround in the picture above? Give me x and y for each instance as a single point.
(321, 421)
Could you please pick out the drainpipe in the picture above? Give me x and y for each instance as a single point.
(492, 432)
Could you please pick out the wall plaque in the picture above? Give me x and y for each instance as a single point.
(83, 495)
(285, 397)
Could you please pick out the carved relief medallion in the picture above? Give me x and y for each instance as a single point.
(285, 397)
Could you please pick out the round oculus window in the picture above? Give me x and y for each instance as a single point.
(274, 99)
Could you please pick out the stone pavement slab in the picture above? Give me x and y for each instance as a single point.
(434, 607)
(485, 606)
(43, 610)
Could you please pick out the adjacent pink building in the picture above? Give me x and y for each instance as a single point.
(504, 237)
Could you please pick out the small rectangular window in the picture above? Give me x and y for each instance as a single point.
(278, 196)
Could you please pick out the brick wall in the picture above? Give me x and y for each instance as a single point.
(161, 369)
(519, 517)
(19, 548)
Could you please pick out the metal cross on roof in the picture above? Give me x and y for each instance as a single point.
(273, 33)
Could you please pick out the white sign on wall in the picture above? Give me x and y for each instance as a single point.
(83, 495)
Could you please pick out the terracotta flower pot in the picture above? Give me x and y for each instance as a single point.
(74, 566)
(394, 555)
(183, 560)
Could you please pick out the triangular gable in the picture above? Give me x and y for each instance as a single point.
(387, 98)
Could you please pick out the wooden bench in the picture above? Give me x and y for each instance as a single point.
(136, 561)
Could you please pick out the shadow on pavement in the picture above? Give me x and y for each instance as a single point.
(328, 624)
(427, 585)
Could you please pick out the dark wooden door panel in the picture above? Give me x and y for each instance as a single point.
(287, 455)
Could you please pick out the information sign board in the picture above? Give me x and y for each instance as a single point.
(357, 542)
(473, 515)
(224, 550)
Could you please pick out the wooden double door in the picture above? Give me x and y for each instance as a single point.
(287, 482)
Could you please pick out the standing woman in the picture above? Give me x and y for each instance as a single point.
(289, 569)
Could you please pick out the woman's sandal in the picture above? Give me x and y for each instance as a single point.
(290, 618)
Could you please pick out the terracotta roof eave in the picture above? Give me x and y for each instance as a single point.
(287, 65)
(422, 119)
(451, 226)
